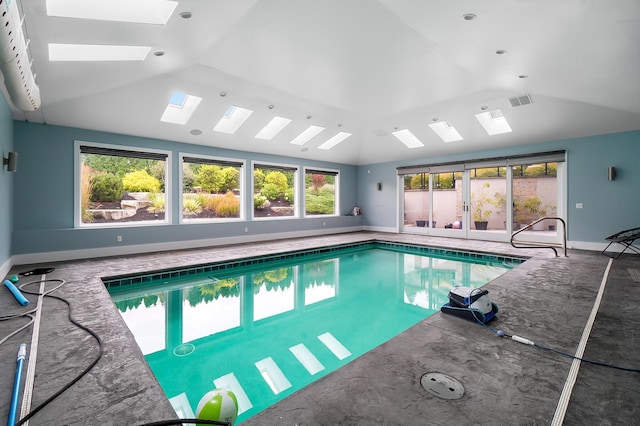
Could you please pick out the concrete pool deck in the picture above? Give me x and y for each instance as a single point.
(546, 299)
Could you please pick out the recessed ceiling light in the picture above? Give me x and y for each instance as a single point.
(446, 131)
(232, 119)
(93, 52)
(494, 122)
(180, 108)
(158, 53)
(406, 137)
(270, 106)
(434, 119)
(469, 16)
(523, 76)
(334, 140)
(500, 52)
(196, 132)
(273, 128)
(484, 107)
(186, 15)
(309, 117)
(140, 11)
(307, 135)
(223, 94)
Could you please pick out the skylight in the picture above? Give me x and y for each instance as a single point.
(139, 11)
(446, 131)
(273, 128)
(334, 140)
(493, 122)
(180, 108)
(406, 137)
(93, 52)
(232, 119)
(307, 135)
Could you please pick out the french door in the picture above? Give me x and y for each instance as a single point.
(486, 200)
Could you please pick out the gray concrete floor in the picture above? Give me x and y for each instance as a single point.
(547, 300)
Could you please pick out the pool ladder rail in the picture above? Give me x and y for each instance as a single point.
(552, 246)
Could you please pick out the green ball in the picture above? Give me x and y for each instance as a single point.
(14, 279)
(218, 404)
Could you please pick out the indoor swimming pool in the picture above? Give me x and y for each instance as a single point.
(265, 327)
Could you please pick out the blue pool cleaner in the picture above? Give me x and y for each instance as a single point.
(472, 304)
(16, 293)
(13, 408)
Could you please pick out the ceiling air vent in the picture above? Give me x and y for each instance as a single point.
(520, 100)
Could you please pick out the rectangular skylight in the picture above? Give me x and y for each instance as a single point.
(232, 119)
(96, 52)
(409, 139)
(335, 140)
(273, 128)
(446, 131)
(139, 11)
(493, 122)
(307, 135)
(180, 108)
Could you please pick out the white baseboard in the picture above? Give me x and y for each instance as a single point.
(6, 267)
(58, 256)
(380, 229)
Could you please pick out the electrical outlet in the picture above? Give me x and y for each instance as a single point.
(119, 238)
(579, 205)
(246, 229)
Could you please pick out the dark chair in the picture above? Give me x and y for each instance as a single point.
(624, 238)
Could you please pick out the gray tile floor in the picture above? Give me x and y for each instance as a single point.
(547, 299)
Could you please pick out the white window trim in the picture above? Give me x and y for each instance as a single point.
(77, 213)
(336, 192)
(243, 197)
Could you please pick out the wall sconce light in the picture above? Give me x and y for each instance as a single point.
(11, 161)
(379, 186)
(612, 173)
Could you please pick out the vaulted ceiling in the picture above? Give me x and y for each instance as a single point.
(359, 66)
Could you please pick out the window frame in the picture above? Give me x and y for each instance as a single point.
(336, 191)
(209, 159)
(296, 188)
(77, 196)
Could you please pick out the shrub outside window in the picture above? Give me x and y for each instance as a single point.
(274, 189)
(320, 187)
(211, 188)
(121, 185)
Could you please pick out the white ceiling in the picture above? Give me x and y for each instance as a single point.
(360, 66)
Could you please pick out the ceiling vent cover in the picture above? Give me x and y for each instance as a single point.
(520, 100)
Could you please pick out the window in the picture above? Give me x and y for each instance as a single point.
(211, 188)
(274, 189)
(121, 185)
(320, 192)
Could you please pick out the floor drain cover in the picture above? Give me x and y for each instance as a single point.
(442, 386)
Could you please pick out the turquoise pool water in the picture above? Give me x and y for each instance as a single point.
(266, 327)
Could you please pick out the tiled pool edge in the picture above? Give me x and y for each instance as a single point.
(112, 282)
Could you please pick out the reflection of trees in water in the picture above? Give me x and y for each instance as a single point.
(272, 279)
(228, 287)
(149, 300)
(319, 273)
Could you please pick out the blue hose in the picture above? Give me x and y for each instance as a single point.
(16, 293)
(13, 409)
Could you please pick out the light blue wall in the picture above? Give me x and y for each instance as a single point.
(6, 182)
(43, 208)
(609, 206)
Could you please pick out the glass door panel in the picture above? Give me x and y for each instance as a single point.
(447, 191)
(488, 202)
(417, 201)
(535, 195)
